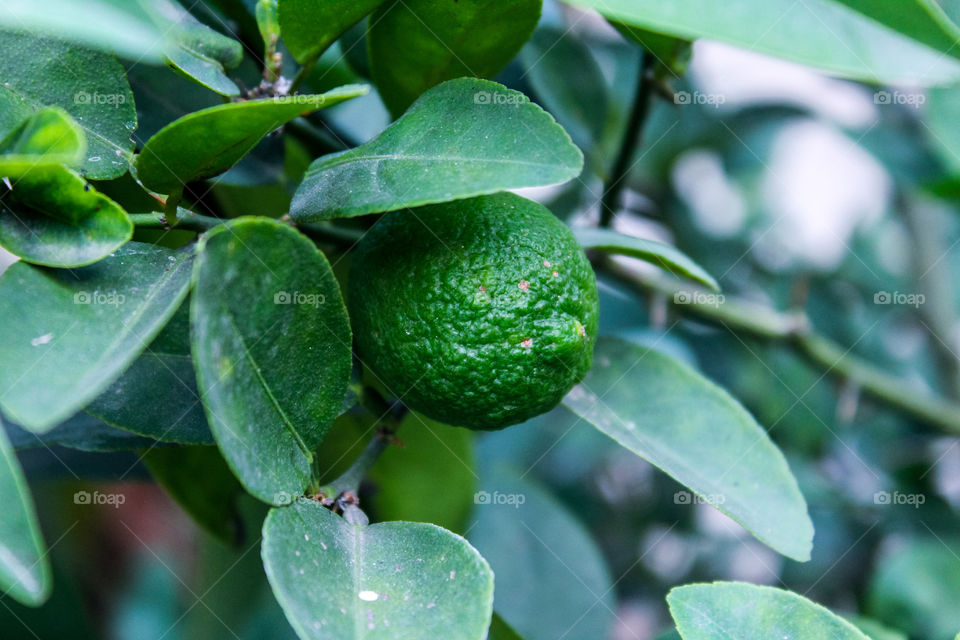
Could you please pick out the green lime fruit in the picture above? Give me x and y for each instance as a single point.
(480, 313)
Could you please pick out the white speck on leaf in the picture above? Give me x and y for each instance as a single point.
(44, 339)
(368, 596)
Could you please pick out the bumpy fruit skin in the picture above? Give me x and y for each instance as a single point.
(479, 313)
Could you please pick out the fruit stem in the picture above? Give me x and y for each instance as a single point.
(632, 135)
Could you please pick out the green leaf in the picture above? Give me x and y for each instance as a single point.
(146, 31)
(430, 450)
(923, 20)
(662, 255)
(197, 51)
(82, 432)
(820, 33)
(500, 630)
(309, 27)
(24, 566)
(693, 430)
(91, 86)
(49, 136)
(915, 587)
(464, 138)
(876, 631)
(724, 610)
(569, 83)
(389, 581)
(208, 142)
(552, 581)
(272, 350)
(416, 44)
(943, 110)
(202, 484)
(157, 395)
(671, 53)
(108, 25)
(67, 335)
(52, 217)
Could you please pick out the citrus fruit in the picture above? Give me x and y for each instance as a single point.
(479, 313)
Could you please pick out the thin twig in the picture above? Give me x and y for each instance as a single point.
(795, 329)
(632, 135)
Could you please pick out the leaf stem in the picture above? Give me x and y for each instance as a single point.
(617, 181)
(187, 220)
(303, 74)
(349, 481)
(795, 329)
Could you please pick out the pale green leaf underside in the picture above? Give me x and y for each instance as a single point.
(387, 581)
(820, 33)
(662, 255)
(24, 566)
(679, 421)
(728, 610)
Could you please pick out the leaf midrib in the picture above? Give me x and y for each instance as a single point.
(431, 159)
(266, 389)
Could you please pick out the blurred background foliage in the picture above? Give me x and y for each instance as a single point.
(796, 190)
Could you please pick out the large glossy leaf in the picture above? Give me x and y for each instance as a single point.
(430, 450)
(464, 138)
(679, 421)
(24, 567)
(67, 335)
(724, 610)
(416, 44)
(820, 33)
(91, 86)
(662, 255)
(387, 581)
(201, 483)
(208, 142)
(49, 136)
(309, 27)
(52, 217)
(157, 395)
(272, 350)
(82, 432)
(551, 578)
